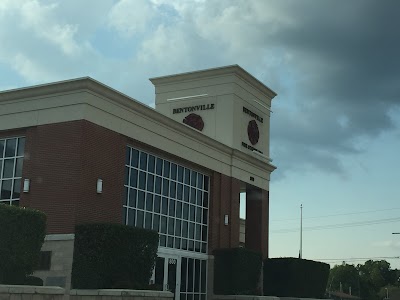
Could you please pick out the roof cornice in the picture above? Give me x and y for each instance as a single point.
(95, 87)
(207, 73)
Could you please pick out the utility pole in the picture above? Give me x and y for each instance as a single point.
(301, 231)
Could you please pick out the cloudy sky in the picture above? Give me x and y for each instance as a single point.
(335, 66)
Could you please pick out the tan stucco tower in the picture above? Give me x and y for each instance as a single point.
(231, 106)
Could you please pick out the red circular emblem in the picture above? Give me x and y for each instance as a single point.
(253, 132)
(194, 121)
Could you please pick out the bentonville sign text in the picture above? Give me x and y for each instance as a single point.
(193, 108)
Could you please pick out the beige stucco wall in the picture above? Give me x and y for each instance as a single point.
(24, 292)
(62, 250)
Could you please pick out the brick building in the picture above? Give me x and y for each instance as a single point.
(82, 152)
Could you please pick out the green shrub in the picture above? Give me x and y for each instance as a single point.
(236, 271)
(113, 256)
(293, 277)
(22, 233)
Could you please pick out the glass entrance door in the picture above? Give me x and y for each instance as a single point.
(166, 273)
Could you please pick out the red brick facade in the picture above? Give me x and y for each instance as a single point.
(64, 160)
(257, 220)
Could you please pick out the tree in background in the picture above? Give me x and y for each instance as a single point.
(367, 280)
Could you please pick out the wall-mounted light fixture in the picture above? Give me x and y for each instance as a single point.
(99, 187)
(226, 219)
(27, 183)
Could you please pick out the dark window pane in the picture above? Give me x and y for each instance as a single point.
(171, 226)
(178, 209)
(2, 142)
(205, 199)
(177, 243)
(150, 182)
(163, 240)
(140, 219)
(159, 164)
(191, 245)
(143, 161)
(135, 158)
(157, 204)
(170, 242)
(184, 244)
(190, 273)
(199, 197)
(183, 274)
(193, 181)
(192, 213)
(180, 173)
(164, 206)
(163, 228)
(15, 203)
(166, 169)
(148, 220)
(199, 180)
(140, 200)
(197, 272)
(203, 247)
(198, 232)
(16, 189)
(204, 234)
(158, 185)
(165, 187)
(132, 197)
(11, 146)
(185, 229)
(8, 168)
(172, 189)
(142, 180)
(21, 146)
(149, 202)
(206, 180)
(191, 230)
(185, 211)
(156, 223)
(186, 190)
(131, 216)
(198, 214)
(6, 189)
(133, 178)
(152, 164)
(187, 176)
(178, 227)
(205, 216)
(173, 171)
(179, 191)
(193, 195)
(171, 211)
(127, 156)
(203, 276)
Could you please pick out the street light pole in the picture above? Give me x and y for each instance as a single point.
(301, 231)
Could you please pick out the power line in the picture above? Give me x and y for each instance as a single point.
(335, 260)
(340, 225)
(336, 215)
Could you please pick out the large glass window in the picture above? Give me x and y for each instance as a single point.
(167, 197)
(11, 160)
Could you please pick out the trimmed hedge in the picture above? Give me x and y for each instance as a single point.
(237, 271)
(113, 256)
(294, 277)
(22, 233)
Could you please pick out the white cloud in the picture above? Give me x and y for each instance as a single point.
(130, 16)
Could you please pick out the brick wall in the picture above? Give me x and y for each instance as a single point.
(225, 200)
(63, 162)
